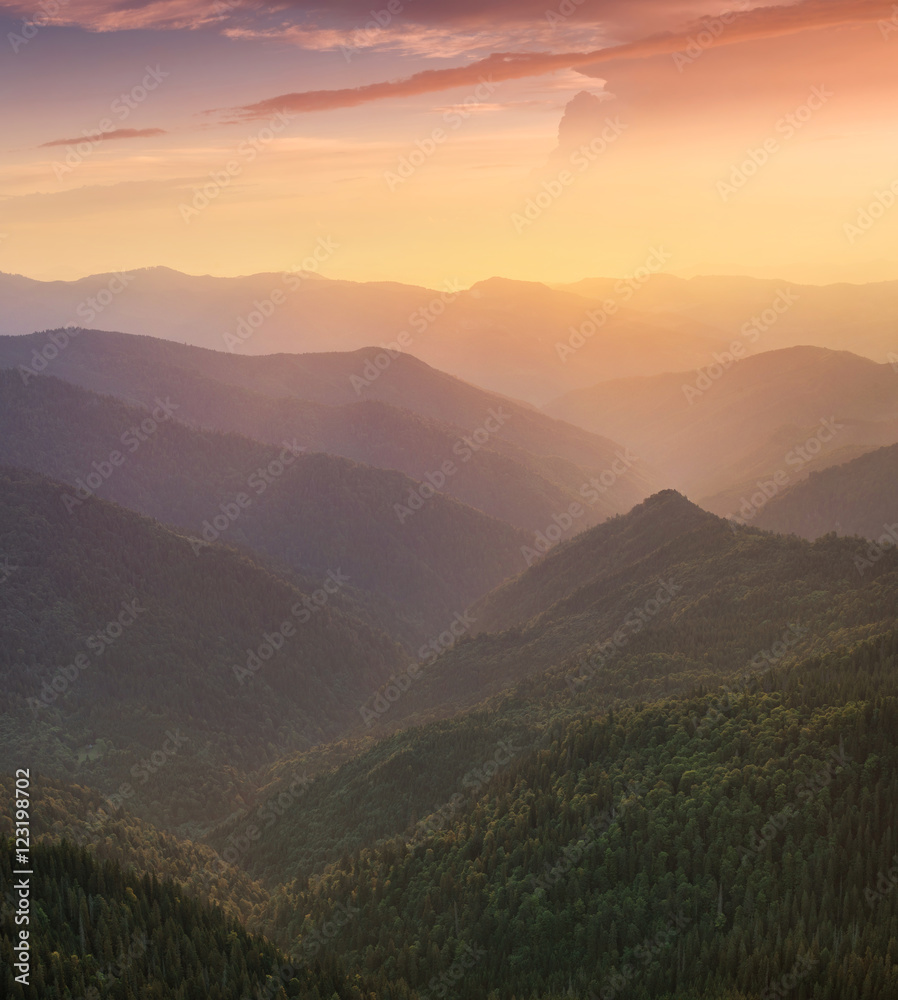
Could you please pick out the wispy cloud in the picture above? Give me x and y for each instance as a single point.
(410, 38)
(761, 23)
(115, 15)
(117, 133)
(319, 16)
(317, 24)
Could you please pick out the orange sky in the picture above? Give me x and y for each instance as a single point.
(760, 141)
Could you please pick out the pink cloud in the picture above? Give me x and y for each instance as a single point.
(109, 15)
(310, 18)
(413, 38)
(757, 24)
(118, 133)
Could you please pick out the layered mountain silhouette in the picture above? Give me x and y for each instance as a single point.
(157, 676)
(524, 339)
(507, 459)
(315, 668)
(778, 414)
(312, 513)
(859, 497)
(657, 600)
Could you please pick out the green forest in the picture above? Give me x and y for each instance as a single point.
(713, 845)
(330, 756)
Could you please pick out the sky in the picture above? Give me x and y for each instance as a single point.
(420, 141)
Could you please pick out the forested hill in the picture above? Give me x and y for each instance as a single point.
(100, 932)
(312, 512)
(658, 599)
(720, 846)
(132, 659)
(859, 497)
(63, 810)
(730, 845)
(412, 419)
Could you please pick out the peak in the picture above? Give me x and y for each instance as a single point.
(668, 502)
(668, 497)
(804, 353)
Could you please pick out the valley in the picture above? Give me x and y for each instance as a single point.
(310, 671)
(448, 500)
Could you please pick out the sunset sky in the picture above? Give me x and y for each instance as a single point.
(299, 120)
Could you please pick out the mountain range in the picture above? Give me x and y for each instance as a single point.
(312, 513)
(528, 340)
(772, 417)
(330, 667)
(507, 458)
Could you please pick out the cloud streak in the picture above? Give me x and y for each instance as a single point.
(115, 15)
(415, 39)
(754, 25)
(117, 133)
(312, 16)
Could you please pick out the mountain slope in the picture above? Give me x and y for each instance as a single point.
(507, 335)
(499, 476)
(314, 513)
(106, 362)
(714, 845)
(859, 497)
(768, 314)
(665, 596)
(778, 413)
(62, 810)
(103, 932)
(130, 661)
(472, 333)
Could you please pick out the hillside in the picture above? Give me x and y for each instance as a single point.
(386, 787)
(510, 336)
(130, 661)
(100, 931)
(472, 333)
(314, 513)
(62, 810)
(768, 314)
(673, 833)
(859, 497)
(654, 601)
(777, 414)
(714, 845)
(229, 393)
